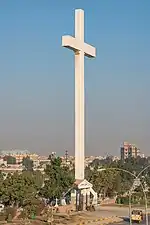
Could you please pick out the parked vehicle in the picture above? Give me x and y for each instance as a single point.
(137, 216)
(1, 207)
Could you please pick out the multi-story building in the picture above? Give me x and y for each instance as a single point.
(18, 154)
(128, 150)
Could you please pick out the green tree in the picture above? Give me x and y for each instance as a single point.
(18, 189)
(11, 160)
(104, 181)
(1, 178)
(123, 181)
(27, 163)
(59, 180)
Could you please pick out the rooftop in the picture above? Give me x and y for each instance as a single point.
(14, 152)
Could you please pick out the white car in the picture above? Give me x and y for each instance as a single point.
(1, 207)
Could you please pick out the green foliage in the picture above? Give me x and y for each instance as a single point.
(27, 163)
(25, 189)
(1, 178)
(11, 160)
(60, 179)
(103, 181)
(123, 200)
(110, 182)
(18, 188)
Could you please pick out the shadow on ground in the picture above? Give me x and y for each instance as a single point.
(126, 219)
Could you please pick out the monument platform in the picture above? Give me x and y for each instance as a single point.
(83, 195)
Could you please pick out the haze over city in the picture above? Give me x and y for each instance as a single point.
(37, 75)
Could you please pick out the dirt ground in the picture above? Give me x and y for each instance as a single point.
(58, 219)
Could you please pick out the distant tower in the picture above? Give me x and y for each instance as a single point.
(128, 150)
(52, 156)
(66, 156)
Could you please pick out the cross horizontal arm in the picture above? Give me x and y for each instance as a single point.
(76, 45)
(89, 51)
(70, 42)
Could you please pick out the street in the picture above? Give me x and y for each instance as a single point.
(126, 222)
(108, 211)
(116, 211)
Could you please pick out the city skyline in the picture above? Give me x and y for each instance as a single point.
(11, 151)
(37, 82)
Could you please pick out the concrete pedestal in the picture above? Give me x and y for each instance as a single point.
(80, 195)
(73, 196)
(88, 197)
(84, 203)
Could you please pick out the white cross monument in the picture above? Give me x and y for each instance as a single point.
(80, 49)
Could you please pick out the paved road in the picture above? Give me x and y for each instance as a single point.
(126, 222)
(108, 211)
(114, 211)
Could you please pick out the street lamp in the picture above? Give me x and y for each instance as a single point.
(136, 183)
(145, 190)
(143, 170)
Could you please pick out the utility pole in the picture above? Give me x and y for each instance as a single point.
(130, 207)
(66, 156)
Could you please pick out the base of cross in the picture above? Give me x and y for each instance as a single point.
(83, 195)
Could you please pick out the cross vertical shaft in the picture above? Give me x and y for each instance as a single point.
(79, 98)
(80, 49)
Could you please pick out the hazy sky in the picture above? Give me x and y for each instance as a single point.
(37, 75)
